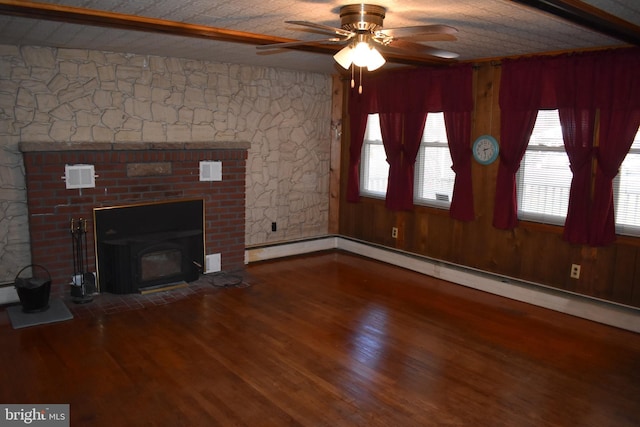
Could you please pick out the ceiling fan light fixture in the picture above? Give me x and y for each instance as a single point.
(376, 60)
(344, 57)
(361, 54)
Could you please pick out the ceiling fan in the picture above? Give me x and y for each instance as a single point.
(361, 30)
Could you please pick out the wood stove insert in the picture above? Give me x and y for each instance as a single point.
(146, 245)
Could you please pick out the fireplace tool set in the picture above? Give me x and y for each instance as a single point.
(83, 284)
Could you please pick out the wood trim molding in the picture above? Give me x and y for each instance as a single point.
(589, 17)
(84, 16)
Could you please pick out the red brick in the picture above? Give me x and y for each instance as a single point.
(51, 206)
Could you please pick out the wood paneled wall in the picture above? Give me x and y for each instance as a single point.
(532, 252)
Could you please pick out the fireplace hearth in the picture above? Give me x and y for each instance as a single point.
(147, 245)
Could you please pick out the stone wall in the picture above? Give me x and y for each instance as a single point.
(14, 231)
(69, 97)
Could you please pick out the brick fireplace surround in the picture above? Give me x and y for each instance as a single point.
(131, 174)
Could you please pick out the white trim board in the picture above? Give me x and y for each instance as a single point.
(263, 253)
(605, 312)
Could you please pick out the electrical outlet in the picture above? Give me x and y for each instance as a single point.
(274, 226)
(575, 271)
(394, 232)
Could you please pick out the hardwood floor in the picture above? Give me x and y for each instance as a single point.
(329, 339)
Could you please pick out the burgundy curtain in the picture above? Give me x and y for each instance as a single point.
(515, 132)
(578, 86)
(408, 96)
(458, 126)
(617, 131)
(520, 98)
(401, 136)
(391, 128)
(574, 79)
(619, 101)
(577, 132)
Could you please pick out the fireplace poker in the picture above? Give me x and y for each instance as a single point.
(83, 283)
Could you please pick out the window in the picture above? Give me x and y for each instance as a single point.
(544, 177)
(374, 172)
(626, 192)
(434, 176)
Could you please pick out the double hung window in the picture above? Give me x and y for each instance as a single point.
(434, 178)
(374, 169)
(544, 179)
(626, 192)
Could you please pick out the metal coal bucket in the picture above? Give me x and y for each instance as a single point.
(33, 290)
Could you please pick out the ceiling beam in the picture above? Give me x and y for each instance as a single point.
(83, 16)
(590, 17)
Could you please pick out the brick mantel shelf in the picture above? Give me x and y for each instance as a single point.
(27, 147)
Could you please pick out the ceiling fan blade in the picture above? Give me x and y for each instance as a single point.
(418, 38)
(325, 28)
(417, 48)
(419, 30)
(299, 43)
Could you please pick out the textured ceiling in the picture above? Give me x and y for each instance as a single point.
(487, 28)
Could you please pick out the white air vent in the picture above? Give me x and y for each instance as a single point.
(80, 176)
(210, 171)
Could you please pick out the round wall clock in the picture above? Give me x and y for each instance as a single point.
(485, 149)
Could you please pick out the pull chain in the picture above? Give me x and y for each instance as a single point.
(353, 82)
